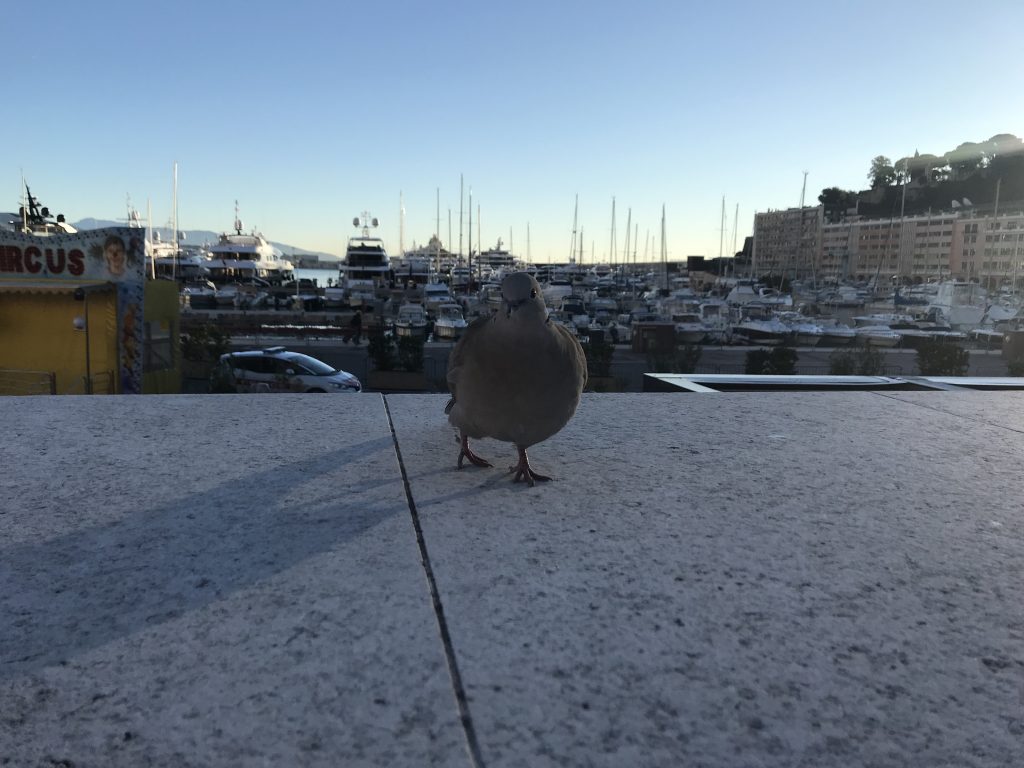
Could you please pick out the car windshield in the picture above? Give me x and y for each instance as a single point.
(314, 365)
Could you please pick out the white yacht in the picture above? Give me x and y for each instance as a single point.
(836, 334)
(497, 260)
(238, 257)
(878, 335)
(690, 329)
(435, 295)
(759, 325)
(450, 324)
(35, 220)
(366, 265)
(411, 320)
(966, 305)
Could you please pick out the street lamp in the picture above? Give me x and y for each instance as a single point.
(82, 323)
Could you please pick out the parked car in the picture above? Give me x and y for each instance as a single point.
(275, 369)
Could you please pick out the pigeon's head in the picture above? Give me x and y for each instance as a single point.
(519, 292)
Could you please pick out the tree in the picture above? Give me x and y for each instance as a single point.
(937, 357)
(964, 160)
(882, 173)
(780, 361)
(835, 202)
(865, 360)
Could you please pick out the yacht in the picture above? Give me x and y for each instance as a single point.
(411, 320)
(34, 219)
(806, 332)
(450, 324)
(690, 329)
(238, 257)
(966, 305)
(436, 295)
(878, 335)
(496, 259)
(366, 265)
(758, 325)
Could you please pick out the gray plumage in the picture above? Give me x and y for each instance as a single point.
(515, 376)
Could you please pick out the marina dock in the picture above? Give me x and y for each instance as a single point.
(769, 579)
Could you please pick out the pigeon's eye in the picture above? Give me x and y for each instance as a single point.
(533, 293)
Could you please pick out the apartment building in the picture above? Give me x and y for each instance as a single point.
(964, 244)
(787, 242)
(990, 249)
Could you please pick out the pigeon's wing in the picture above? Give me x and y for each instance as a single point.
(469, 337)
(573, 348)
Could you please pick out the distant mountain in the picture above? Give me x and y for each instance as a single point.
(201, 236)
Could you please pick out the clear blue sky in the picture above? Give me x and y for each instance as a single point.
(309, 113)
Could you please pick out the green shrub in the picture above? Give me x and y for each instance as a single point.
(205, 344)
(1015, 366)
(599, 352)
(780, 361)
(410, 353)
(937, 357)
(863, 360)
(381, 349)
(681, 360)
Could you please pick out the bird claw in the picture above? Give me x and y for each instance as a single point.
(525, 472)
(465, 453)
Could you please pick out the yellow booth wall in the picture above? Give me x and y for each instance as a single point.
(38, 334)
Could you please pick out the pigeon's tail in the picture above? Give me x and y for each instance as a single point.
(449, 406)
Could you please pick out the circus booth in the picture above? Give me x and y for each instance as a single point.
(71, 312)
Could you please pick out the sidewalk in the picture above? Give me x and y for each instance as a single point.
(761, 579)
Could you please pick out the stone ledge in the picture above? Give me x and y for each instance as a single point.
(747, 579)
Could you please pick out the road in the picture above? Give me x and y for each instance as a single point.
(627, 366)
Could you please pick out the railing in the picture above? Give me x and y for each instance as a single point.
(102, 384)
(27, 382)
(804, 370)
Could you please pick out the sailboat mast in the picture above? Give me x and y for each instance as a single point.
(625, 249)
(174, 222)
(469, 238)
(664, 247)
(528, 256)
(572, 243)
(611, 249)
(800, 231)
(460, 216)
(735, 225)
(401, 223)
(721, 231)
(149, 237)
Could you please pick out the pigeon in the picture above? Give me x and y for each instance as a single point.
(514, 376)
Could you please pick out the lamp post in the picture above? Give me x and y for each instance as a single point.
(82, 323)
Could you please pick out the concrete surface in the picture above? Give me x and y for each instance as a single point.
(753, 579)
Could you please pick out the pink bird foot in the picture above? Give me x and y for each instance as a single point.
(524, 471)
(465, 453)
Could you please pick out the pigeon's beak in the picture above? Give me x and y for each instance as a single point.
(513, 305)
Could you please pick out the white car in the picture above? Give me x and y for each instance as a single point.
(275, 369)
